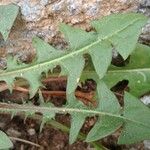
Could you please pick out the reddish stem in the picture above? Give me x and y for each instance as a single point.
(85, 97)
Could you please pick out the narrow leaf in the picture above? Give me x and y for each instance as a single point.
(77, 120)
(104, 126)
(73, 68)
(46, 115)
(134, 128)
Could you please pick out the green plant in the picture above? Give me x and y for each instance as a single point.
(119, 31)
(8, 14)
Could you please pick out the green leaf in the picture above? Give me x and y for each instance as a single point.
(76, 37)
(136, 127)
(5, 142)
(82, 42)
(102, 59)
(122, 30)
(98, 45)
(137, 72)
(99, 48)
(77, 122)
(46, 115)
(8, 14)
(73, 72)
(44, 51)
(134, 115)
(105, 125)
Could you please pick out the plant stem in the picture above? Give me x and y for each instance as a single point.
(17, 108)
(24, 141)
(79, 94)
(54, 78)
(83, 96)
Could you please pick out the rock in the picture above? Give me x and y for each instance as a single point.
(147, 144)
(144, 8)
(145, 3)
(42, 17)
(146, 99)
(31, 131)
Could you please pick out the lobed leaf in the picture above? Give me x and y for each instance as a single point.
(110, 116)
(136, 72)
(116, 31)
(98, 47)
(122, 30)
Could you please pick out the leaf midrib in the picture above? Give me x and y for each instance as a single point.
(57, 60)
(121, 71)
(22, 108)
(130, 70)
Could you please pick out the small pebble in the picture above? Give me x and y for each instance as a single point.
(31, 131)
(146, 99)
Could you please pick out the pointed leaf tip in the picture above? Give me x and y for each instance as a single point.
(76, 37)
(35, 39)
(77, 122)
(105, 124)
(122, 30)
(8, 16)
(44, 50)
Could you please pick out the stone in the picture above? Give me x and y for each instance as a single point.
(144, 8)
(146, 144)
(146, 99)
(31, 131)
(145, 3)
(42, 18)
